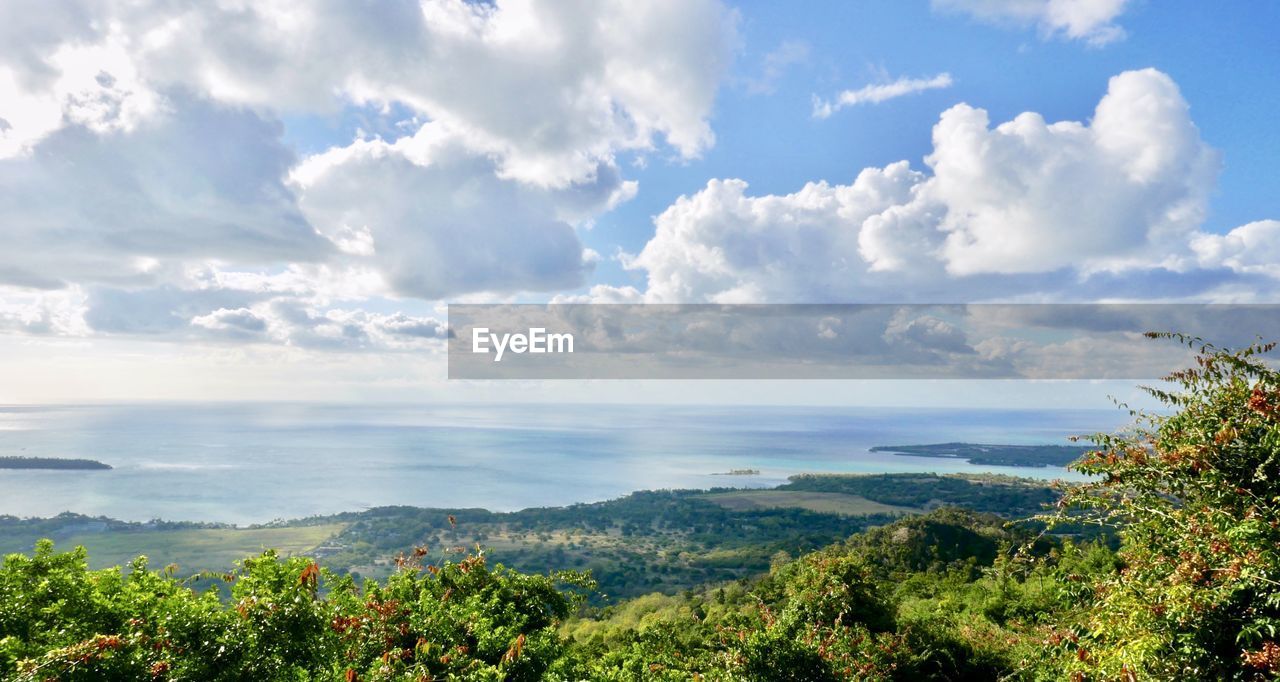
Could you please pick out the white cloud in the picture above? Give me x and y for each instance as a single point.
(1027, 196)
(566, 85)
(143, 167)
(347, 329)
(160, 311)
(58, 313)
(185, 315)
(875, 94)
(1019, 207)
(603, 293)
(237, 323)
(723, 245)
(199, 181)
(95, 86)
(1090, 20)
(1252, 248)
(440, 222)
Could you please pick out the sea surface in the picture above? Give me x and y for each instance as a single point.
(253, 463)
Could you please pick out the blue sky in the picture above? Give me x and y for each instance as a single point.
(1224, 58)
(202, 200)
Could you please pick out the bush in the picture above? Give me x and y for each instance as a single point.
(1195, 496)
(285, 619)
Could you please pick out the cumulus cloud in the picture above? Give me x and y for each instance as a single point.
(565, 84)
(1024, 203)
(1252, 248)
(174, 314)
(159, 310)
(403, 325)
(1092, 21)
(440, 221)
(143, 164)
(721, 244)
(877, 93)
(42, 313)
(926, 332)
(200, 181)
(303, 326)
(238, 321)
(1031, 196)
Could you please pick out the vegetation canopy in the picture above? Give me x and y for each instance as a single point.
(1163, 565)
(1195, 498)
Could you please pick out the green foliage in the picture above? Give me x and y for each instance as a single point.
(1195, 495)
(284, 620)
(877, 607)
(948, 538)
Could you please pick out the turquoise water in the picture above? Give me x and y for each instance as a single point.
(251, 463)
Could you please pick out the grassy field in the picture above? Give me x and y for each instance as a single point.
(825, 503)
(195, 550)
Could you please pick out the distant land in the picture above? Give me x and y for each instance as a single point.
(50, 463)
(994, 455)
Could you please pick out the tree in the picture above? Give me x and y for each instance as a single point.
(1194, 494)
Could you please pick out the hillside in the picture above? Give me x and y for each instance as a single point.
(285, 615)
(665, 541)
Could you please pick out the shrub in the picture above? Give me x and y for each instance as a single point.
(285, 619)
(1195, 497)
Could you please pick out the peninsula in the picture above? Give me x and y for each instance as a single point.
(50, 463)
(994, 455)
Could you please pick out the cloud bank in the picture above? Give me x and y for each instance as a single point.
(1026, 207)
(146, 177)
(149, 187)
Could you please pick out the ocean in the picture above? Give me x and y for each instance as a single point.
(253, 463)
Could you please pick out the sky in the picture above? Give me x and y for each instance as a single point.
(276, 200)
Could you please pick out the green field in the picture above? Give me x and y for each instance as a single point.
(823, 503)
(194, 550)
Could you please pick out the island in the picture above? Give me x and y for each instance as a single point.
(51, 463)
(994, 455)
(738, 472)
